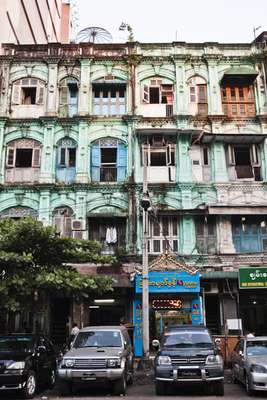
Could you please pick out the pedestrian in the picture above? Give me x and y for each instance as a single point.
(74, 331)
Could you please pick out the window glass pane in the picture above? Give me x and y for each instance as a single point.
(156, 229)
(72, 157)
(156, 246)
(205, 156)
(105, 109)
(96, 109)
(122, 109)
(165, 226)
(113, 109)
(174, 226)
(175, 245)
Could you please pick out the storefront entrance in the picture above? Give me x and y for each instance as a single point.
(174, 300)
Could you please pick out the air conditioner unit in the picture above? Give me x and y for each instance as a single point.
(211, 287)
(78, 225)
(78, 235)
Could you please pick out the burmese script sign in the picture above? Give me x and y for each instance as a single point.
(253, 278)
(170, 282)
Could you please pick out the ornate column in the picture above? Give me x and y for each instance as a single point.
(83, 159)
(187, 235)
(219, 169)
(2, 150)
(85, 85)
(52, 88)
(215, 104)
(47, 172)
(45, 214)
(225, 238)
(6, 89)
(184, 166)
(181, 101)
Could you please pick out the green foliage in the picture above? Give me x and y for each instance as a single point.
(33, 257)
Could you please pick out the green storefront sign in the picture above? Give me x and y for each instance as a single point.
(253, 278)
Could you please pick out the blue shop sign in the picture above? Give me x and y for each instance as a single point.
(170, 282)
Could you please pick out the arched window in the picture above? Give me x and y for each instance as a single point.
(109, 97)
(68, 97)
(23, 161)
(198, 103)
(62, 218)
(66, 160)
(109, 160)
(28, 91)
(18, 212)
(157, 97)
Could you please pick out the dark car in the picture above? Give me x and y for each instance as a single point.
(187, 354)
(26, 361)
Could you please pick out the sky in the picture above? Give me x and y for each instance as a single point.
(196, 21)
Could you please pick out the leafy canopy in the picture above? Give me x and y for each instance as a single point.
(33, 257)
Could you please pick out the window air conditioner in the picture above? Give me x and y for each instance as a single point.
(78, 225)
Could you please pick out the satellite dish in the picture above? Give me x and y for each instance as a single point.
(94, 34)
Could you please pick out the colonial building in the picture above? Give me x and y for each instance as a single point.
(80, 122)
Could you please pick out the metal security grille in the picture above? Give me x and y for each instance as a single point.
(87, 363)
(192, 361)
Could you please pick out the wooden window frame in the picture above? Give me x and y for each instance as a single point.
(157, 83)
(107, 101)
(238, 106)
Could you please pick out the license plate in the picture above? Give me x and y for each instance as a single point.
(189, 373)
(89, 377)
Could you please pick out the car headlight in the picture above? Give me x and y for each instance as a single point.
(113, 362)
(164, 360)
(212, 359)
(68, 362)
(16, 365)
(258, 368)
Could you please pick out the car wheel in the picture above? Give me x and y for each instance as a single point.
(30, 386)
(160, 388)
(248, 388)
(65, 388)
(218, 388)
(119, 387)
(51, 379)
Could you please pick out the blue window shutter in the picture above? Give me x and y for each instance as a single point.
(121, 162)
(96, 163)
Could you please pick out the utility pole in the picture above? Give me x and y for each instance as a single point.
(145, 203)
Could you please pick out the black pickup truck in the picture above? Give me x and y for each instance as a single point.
(186, 354)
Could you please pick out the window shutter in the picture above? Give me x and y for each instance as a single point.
(121, 162)
(40, 94)
(231, 154)
(63, 95)
(192, 94)
(36, 158)
(10, 157)
(72, 156)
(202, 94)
(16, 94)
(145, 94)
(58, 224)
(62, 156)
(96, 163)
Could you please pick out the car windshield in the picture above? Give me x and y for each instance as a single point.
(257, 348)
(16, 343)
(98, 339)
(187, 339)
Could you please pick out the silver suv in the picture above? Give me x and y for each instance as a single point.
(98, 353)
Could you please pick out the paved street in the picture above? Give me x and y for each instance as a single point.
(145, 391)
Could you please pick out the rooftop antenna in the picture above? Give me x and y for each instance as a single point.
(255, 28)
(94, 34)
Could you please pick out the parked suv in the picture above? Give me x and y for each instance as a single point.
(25, 362)
(187, 354)
(98, 353)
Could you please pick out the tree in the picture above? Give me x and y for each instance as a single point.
(34, 259)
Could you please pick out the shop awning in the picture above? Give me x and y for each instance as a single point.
(219, 274)
(242, 74)
(252, 209)
(233, 138)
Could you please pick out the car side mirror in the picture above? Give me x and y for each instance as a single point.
(155, 344)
